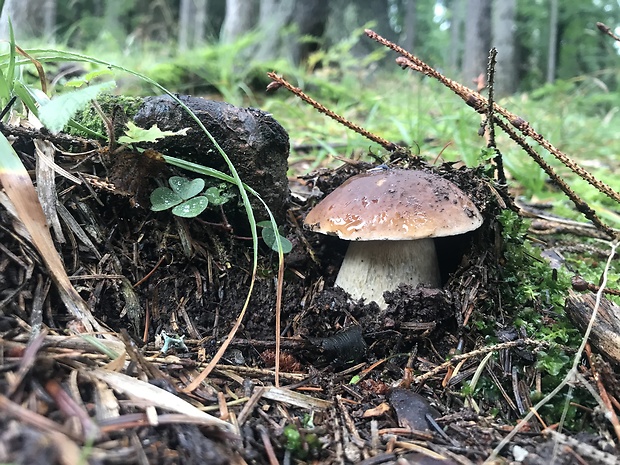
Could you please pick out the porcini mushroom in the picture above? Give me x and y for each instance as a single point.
(391, 216)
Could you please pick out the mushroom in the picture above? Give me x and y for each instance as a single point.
(391, 217)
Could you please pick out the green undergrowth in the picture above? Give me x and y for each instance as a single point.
(531, 289)
(533, 295)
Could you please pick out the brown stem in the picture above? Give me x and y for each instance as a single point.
(582, 206)
(499, 163)
(607, 30)
(480, 104)
(281, 82)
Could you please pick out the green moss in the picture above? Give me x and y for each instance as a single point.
(531, 289)
(118, 108)
(532, 295)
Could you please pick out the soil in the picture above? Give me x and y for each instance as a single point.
(145, 273)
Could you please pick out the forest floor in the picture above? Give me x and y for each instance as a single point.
(356, 384)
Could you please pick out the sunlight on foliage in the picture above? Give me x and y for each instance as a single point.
(135, 134)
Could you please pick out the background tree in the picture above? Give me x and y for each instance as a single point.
(538, 41)
(286, 28)
(187, 11)
(309, 20)
(477, 39)
(49, 19)
(504, 14)
(240, 18)
(553, 40)
(346, 17)
(274, 16)
(410, 26)
(456, 13)
(27, 16)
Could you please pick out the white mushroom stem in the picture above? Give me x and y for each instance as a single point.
(372, 267)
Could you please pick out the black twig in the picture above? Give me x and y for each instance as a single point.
(499, 162)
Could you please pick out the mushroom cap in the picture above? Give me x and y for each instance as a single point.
(394, 205)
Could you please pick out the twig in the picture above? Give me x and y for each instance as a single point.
(606, 30)
(271, 453)
(499, 163)
(474, 353)
(581, 206)
(59, 139)
(580, 284)
(480, 105)
(390, 146)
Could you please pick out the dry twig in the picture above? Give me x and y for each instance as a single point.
(281, 82)
(481, 105)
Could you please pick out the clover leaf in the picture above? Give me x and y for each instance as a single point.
(192, 207)
(164, 198)
(269, 236)
(182, 196)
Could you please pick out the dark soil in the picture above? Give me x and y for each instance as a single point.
(143, 273)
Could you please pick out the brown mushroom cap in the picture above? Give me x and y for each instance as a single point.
(394, 205)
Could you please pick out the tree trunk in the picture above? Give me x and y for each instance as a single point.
(456, 35)
(310, 17)
(18, 12)
(553, 41)
(273, 17)
(200, 22)
(504, 13)
(376, 11)
(113, 12)
(409, 25)
(185, 24)
(346, 17)
(477, 39)
(49, 20)
(240, 19)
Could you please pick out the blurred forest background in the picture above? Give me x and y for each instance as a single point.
(555, 69)
(538, 41)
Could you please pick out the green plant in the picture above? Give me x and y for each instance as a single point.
(528, 282)
(182, 196)
(300, 444)
(535, 294)
(270, 236)
(56, 113)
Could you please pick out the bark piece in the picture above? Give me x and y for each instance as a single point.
(605, 334)
(257, 144)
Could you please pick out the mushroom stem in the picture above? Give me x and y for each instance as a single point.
(372, 267)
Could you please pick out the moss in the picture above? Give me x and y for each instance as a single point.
(118, 108)
(531, 288)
